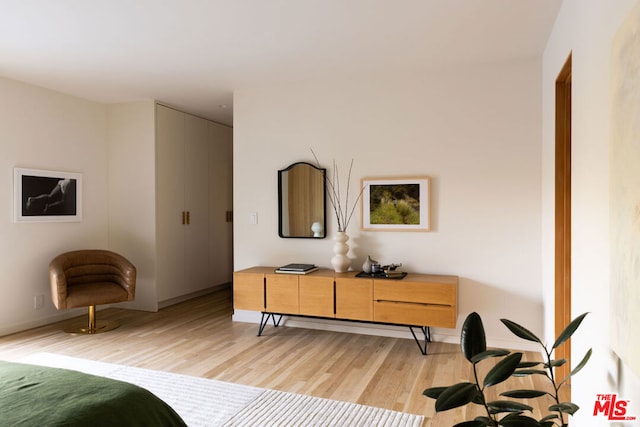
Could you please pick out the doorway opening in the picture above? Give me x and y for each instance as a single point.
(563, 214)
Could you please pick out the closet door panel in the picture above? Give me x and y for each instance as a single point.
(170, 167)
(220, 202)
(197, 146)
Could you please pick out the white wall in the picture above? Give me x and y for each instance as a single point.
(586, 28)
(475, 131)
(42, 129)
(132, 194)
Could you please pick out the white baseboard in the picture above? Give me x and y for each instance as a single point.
(75, 312)
(42, 321)
(375, 329)
(186, 297)
(450, 336)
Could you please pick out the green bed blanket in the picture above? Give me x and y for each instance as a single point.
(40, 396)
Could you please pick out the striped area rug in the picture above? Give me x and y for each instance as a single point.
(210, 403)
(279, 408)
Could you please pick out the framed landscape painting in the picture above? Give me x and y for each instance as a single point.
(44, 196)
(396, 204)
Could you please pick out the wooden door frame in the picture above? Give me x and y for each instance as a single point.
(563, 213)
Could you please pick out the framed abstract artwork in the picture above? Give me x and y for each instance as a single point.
(47, 196)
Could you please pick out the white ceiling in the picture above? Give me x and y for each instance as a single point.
(194, 53)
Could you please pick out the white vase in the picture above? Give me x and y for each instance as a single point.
(318, 230)
(368, 264)
(340, 261)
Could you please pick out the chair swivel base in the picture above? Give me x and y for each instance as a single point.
(92, 326)
(99, 326)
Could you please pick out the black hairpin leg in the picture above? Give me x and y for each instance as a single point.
(427, 338)
(265, 319)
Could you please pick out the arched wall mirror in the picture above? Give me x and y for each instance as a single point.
(301, 201)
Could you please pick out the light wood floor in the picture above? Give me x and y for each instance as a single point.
(198, 338)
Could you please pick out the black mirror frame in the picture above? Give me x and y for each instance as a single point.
(324, 200)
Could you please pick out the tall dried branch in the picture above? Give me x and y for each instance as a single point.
(342, 210)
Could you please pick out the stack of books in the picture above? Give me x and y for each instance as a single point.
(297, 268)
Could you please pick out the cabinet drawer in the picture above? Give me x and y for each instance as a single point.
(248, 291)
(282, 293)
(419, 292)
(316, 296)
(354, 299)
(415, 314)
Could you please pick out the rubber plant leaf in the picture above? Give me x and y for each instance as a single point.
(580, 365)
(456, 395)
(473, 423)
(520, 331)
(489, 353)
(550, 417)
(569, 330)
(549, 420)
(478, 399)
(529, 364)
(523, 372)
(503, 370)
(498, 406)
(523, 394)
(558, 362)
(472, 338)
(434, 392)
(485, 420)
(519, 421)
(565, 407)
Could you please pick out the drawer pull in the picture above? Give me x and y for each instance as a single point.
(423, 304)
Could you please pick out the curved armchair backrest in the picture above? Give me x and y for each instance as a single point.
(103, 277)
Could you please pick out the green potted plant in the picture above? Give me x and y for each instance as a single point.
(508, 412)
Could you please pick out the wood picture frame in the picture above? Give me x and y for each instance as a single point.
(47, 196)
(396, 204)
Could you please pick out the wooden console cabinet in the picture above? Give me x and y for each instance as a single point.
(417, 300)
